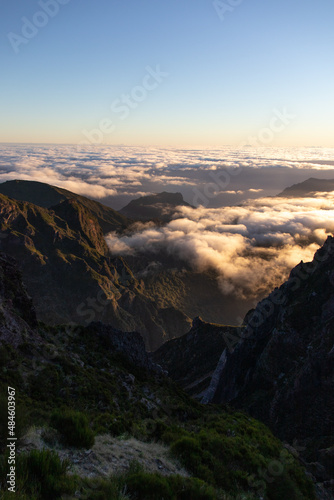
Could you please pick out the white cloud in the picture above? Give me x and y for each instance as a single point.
(252, 247)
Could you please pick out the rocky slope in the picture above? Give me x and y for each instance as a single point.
(70, 275)
(18, 317)
(283, 370)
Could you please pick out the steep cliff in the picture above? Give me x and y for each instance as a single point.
(282, 371)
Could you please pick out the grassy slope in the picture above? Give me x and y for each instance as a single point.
(228, 451)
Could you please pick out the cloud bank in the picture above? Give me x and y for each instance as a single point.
(252, 247)
(116, 174)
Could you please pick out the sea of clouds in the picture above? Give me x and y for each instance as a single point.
(252, 247)
(239, 227)
(118, 174)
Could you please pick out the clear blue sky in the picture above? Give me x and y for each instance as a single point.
(225, 76)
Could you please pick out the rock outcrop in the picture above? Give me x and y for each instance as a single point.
(191, 360)
(17, 314)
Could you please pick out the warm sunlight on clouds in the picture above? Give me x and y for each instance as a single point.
(252, 247)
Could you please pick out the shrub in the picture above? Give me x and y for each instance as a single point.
(188, 451)
(113, 424)
(102, 489)
(192, 489)
(73, 428)
(144, 486)
(41, 474)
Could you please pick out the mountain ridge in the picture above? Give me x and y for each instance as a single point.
(308, 187)
(48, 196)
(71, 276)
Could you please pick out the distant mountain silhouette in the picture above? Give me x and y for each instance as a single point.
(308, 187)
(161, 206)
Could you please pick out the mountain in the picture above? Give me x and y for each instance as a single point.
(47, 196)
(283, 371)
(70, 275)
(308, 188)
(96, 418)
(161, 206)
(191, 360)
(279, 367)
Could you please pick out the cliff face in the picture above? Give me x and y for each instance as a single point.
(191, 360)
(17, 314)
(279, 367)
(282, 372)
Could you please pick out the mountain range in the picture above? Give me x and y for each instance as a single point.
(71, 276)
(67, 267)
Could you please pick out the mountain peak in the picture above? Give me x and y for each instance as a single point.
(161, 206)
(48, 196)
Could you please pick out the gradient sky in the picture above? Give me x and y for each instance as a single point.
(225, 76)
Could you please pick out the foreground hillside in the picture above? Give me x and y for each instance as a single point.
(80, 385)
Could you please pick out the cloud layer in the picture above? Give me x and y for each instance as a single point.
(212, 178)
(252, 247)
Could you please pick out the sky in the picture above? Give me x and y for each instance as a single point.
(172, 74)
